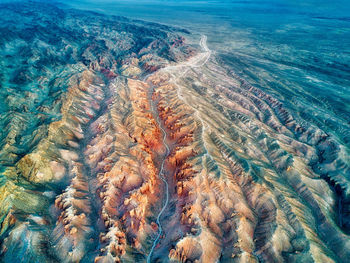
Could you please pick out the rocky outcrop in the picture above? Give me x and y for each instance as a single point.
(126, 144)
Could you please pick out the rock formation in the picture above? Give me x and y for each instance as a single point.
(105, 118)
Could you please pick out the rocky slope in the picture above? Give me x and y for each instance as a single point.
(121, 142)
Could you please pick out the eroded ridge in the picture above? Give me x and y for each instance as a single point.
(247, 177)
(85, 185)
(159, 153)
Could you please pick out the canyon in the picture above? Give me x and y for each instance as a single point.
(130, 141)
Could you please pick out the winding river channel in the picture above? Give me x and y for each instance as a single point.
(194, 62)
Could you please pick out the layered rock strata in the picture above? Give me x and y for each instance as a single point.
(136, 146)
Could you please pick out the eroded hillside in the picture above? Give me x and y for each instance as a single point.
(121, 142)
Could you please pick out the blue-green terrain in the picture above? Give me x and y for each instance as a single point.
(297, 50)
(174, 131)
